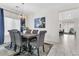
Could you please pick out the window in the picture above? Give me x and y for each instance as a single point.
(10, 23)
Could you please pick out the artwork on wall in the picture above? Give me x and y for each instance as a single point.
(40, 22)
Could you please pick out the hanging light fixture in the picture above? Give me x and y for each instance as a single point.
(22, 16)
(18, 12)
(21, 13)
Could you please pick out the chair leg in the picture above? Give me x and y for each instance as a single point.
(43, 49)
(15, 48)
(38, 51)
(11, 45)
(20, 50)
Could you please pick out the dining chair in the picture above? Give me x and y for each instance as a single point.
(40, 41)
(35, 31)
(16, 41)
(19, 43)
(12, 44)
(28, 31)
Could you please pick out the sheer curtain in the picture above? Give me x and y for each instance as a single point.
(10, 23)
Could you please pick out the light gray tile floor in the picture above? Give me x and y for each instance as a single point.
(68, 46)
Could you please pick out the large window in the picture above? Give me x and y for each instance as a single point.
(10, 23)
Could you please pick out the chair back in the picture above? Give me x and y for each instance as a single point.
(28, 31)
(18, 39)
(13, 42)
(12, 36)
(35, 31)
(40, 38)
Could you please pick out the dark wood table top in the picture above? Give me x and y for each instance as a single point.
(29, 35)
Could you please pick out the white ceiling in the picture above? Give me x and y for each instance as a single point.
(30, 8)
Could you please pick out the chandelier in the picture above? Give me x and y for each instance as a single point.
(21, 13)
(22, 16)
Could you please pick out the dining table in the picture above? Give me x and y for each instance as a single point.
(29, 37)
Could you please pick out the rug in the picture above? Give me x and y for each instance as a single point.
(47, 47)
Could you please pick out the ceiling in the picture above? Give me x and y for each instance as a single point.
(30, 8)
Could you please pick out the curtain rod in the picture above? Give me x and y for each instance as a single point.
(9, 10)
(68, 9)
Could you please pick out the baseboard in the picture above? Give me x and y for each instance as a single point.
(51, 42)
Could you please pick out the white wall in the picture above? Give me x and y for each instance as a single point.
(51, 24)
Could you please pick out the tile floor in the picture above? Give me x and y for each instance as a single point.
(5, 52)
(68, 46)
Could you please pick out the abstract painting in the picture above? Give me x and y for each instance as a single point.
(39, 22)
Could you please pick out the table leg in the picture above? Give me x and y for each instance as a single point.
(28, 46)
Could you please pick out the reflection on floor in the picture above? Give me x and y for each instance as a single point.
(68, 46)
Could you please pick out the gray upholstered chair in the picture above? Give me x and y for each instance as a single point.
(35, 31)
(28, 31)
(12, 45)
(18, 40)
(40, 41)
